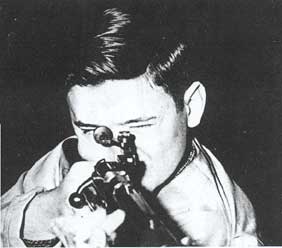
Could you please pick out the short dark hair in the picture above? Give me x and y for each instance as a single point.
(126, 46)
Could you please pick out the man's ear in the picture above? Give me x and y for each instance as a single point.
(194, 103)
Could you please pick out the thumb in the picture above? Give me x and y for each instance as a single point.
(113, 221)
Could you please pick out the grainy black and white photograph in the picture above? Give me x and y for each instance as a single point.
(141, 123)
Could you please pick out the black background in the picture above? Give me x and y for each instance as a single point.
(240, 65)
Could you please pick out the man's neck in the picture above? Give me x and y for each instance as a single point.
(187, 157)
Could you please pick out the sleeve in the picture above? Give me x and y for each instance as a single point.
(44, 175)
(245, 220)
(239, 208)
(13, 204)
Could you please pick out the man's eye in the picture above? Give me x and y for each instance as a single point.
(142, 126)
(87, 131)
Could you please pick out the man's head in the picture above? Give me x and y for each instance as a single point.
(133, 76)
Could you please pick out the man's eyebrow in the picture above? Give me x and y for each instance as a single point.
(139, 119)
(81, 124)
(136, 120)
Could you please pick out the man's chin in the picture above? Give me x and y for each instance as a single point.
(149, 183)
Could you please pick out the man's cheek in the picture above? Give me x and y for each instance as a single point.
(151, 138)
(148, 149)
(89, 150)
(84, 150)
(154, 156)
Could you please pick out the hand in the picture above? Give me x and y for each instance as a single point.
(53, 207)
(81, 227)
(92, 229)
(78, 173)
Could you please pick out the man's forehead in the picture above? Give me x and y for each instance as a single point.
(117, 101)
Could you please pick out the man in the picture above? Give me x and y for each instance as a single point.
(130, 75)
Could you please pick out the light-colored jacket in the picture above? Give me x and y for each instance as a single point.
(201, 190)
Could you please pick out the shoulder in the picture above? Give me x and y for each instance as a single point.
(204, 184)
(47, 171)
(238, 208)
(194, 186)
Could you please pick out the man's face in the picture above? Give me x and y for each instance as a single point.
(130, 105)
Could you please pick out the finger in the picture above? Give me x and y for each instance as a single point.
(97, 239)
(113, 221)
(62, 236)
(185, 241)
(90, 222)
(95, 218)
(76, 231)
